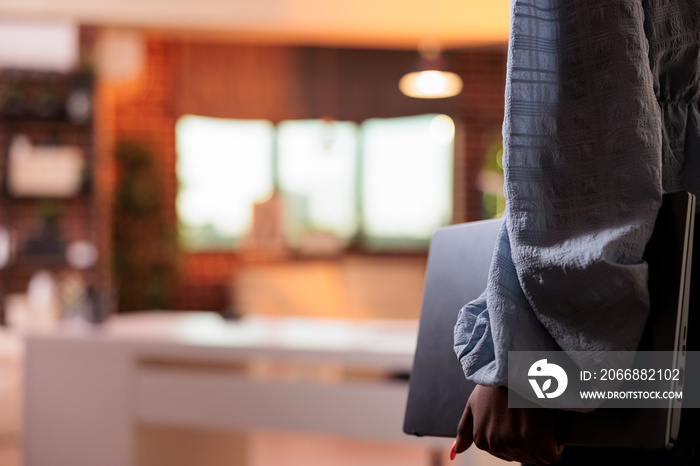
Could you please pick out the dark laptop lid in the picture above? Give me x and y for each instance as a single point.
(457, 271)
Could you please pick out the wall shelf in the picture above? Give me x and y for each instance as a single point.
(36, 106)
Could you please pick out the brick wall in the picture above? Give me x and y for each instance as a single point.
(480, 112)
(146, 110)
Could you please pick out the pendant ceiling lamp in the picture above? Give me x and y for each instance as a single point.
(430, 80)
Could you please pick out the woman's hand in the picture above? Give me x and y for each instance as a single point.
(512, 434)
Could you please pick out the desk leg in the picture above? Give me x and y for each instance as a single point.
(78, 404)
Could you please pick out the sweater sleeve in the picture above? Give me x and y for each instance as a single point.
(582, 137)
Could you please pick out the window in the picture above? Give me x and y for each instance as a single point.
(386, 182)
(406, 179)
(223, 167)
(317, 172)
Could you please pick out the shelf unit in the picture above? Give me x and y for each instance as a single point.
(51, 110)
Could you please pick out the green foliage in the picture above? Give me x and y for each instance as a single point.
(145, 250)
(490, 182)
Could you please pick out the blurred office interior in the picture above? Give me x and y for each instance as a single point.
(251, 163)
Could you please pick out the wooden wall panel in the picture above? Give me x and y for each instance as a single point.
(278, 83)
(236, 81)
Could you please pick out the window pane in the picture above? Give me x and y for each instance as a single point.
(317, 174)
(223, 167)
(406, 179)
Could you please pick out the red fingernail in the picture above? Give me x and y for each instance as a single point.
(452, 451)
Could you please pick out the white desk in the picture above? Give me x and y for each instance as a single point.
(86, 390)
